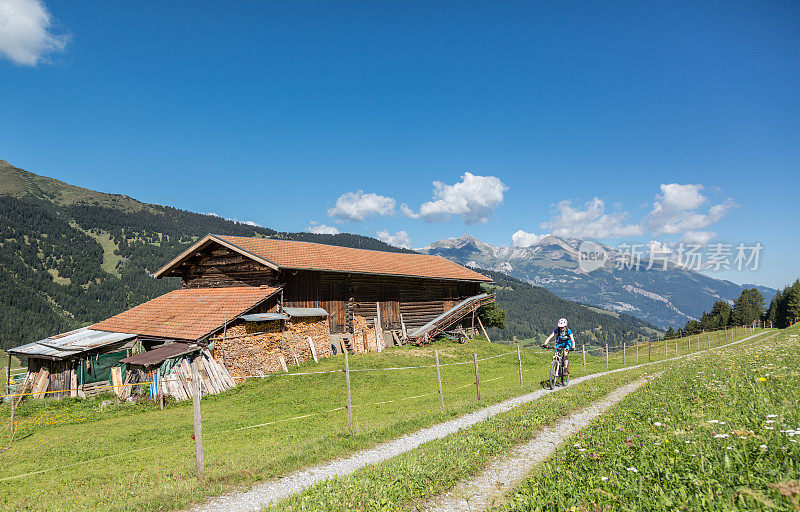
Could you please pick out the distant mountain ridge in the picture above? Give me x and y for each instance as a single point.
(662, 297)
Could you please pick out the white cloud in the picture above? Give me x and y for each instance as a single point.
(591, 222)
(474, 199)
(212, 214)
(522, 238)
(321, 229)
(249, 223)
(675, 210)
(357, 206)
(698, 237)
(399, 239)
(25, 32)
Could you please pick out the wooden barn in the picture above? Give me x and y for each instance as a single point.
(398, 289)
(255, 305)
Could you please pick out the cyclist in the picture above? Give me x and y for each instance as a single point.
(565, 340)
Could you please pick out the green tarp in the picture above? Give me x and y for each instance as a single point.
(97, 367)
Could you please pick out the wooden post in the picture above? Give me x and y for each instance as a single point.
(477, 378)
(637, 352)
(689, 342)
(606, 356)
(347, 380)
(484, 330)
(378, 327)
(13, 406)
(403, 327)
(439, 379)
(624, 353)
(649, 350)
(519, 360)
(198, 428)
(584, 358)
(8, 378)
(378, 335)
(283, 363)
(665, 347)
(472, 334)
(676, 347)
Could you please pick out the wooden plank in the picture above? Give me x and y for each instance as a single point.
(116, 380)
(283, 363)
(313, 349)
(73, 383)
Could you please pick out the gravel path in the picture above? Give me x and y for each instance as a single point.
(488, 488)
(264, 494)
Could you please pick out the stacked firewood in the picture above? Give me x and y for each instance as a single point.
(214, 378)
(259, 348)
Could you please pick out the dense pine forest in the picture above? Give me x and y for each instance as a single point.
(748, 308)
(71, 256)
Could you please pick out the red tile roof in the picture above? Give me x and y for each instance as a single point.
(312, 256)
(187, 314)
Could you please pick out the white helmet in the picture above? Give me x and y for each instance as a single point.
(562, 322)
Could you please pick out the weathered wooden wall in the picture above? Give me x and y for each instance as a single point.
(221, 267)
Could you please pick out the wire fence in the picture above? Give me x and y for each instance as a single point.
(513, 371)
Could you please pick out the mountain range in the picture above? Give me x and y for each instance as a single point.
(71, 256)
(662, 296)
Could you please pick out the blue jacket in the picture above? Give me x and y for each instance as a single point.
(564, 340)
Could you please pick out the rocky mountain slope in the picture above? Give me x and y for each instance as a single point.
(663, 297)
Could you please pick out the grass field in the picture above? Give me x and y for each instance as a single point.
(717, 432)
(150, 454)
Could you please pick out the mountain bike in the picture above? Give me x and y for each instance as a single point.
(559, 376)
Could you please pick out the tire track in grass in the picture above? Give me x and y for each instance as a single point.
(487, 488)
(273, 491)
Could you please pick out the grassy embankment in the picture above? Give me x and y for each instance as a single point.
(715, 433)
(151, 454)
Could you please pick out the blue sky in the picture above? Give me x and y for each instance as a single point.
(271, 112)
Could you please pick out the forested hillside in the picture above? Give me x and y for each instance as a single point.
(71, 256)
(532, 310)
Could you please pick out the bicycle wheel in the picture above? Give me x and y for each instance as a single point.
(553, 374)
(564, 375)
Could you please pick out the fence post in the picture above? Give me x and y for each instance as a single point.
(439, 378)
(624, 353)
(649, 350)
(519, 359)
(676, 347)
(8, 378)
(665, 347)
(477, 378)
(637, 353)
(347, 380)
(584, 358)
(689, 342)
(606, 356)
(198, 427)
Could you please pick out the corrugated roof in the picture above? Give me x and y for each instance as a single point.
(67, 344)
(158, 355)
(264, 317)
(305, 311)
(291, 254)
(187, 314)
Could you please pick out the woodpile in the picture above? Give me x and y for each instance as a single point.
(260, 348)
(214, 378)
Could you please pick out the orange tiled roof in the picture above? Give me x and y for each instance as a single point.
(187, 314)
(312, 256)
